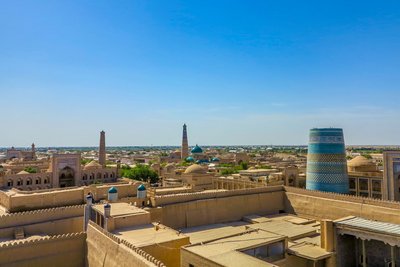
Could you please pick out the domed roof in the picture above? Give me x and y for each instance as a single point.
(215, 159)
(112, 190)
(190, 159)
(360, 161)
(141, 187)
(196, 150)
(195, 168)
(23, 172)
(92, 165)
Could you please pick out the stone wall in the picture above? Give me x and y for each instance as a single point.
(105, 249)
(63, 250)
(323, 205)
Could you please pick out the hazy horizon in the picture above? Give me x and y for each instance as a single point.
(236, 73)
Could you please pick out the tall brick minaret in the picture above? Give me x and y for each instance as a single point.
(102, 149)
(185, 146)
(33, 151)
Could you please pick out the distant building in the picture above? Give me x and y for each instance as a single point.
(13, 153)
(364, 178)
(61, 170)
(391, 174)
(326, 161)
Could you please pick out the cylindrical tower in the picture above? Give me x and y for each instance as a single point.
(326, 161)
(185, 145)
(102, 149)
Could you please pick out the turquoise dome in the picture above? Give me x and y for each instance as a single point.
(113, 190)
(197, 150)
(141, 188)
(191, 159)
(215, 159)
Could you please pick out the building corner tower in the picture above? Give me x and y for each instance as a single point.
(326, 161)
(102, 149)
(185, 145)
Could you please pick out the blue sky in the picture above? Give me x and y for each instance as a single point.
(237, 72)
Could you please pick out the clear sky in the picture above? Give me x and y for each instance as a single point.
(237, 72)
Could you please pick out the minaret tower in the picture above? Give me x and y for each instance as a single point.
(185, 146)
(102, 149)
(33, 151)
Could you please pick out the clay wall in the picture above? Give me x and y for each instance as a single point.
(23, 202)
(54, 227)
(41, 199)
(4, 199)
(178, 198)
(31, 217)
(63, 250)
(323, 205)
(105, 249)
(200, 211)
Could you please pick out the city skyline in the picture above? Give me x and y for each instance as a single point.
(235, 73)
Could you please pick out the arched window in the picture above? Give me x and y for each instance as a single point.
(28, 181)
(91, 176)
(45, 181)
(105, 175)
(38, 180)
(10, 183)
(84, 177)
(19, 182)
(111, 175)
(99, 176)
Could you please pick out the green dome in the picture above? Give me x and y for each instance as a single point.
(215, 159)
(113, 190)
(141, 188)
(191, 159)
(197, 150)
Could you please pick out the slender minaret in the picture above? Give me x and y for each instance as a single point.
(33, 151)
(102, 149)
(185, 146)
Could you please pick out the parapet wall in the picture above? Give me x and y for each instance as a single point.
(185, 197)
(188, 210)
(61, 250)
(324, 205)
(37, 216)
(344, 197)
(16, 201)
(105, 249)
(42, 200)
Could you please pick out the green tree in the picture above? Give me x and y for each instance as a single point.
(30, 169)
(244, 165)
(141, 173)
(85, 161)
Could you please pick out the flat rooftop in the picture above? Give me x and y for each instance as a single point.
(120, 209)
(227, 251)
(225, 239)
(147, 234)
(287, 225)
(211, 232)
(307, 250)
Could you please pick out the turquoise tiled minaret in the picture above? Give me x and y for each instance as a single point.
(326, 161)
